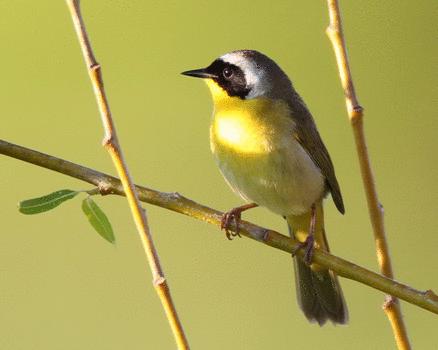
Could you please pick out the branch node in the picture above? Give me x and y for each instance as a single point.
(94, 67)
(175, 195)
(381, 208)
(159, 281)
(266, 236)
(356, 114)
(430, 294)
(260, 234)
(358, 109)
(331, 31)
(109, 142)
(104, 188)
(389, 303)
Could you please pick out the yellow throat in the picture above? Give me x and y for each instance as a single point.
(246, 126)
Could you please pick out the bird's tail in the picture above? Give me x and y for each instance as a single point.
(319, 293)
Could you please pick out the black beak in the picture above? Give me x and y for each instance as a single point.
(199, 73)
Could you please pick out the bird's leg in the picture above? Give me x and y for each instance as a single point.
(309, 244)
(235, 215)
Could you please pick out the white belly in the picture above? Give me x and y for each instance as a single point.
(266, 165)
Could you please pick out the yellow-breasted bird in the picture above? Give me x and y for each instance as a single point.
(268, 148)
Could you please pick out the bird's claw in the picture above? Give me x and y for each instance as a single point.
(308, 246)
(227, 219)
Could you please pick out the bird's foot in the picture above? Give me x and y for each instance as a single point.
(308, 245)
(234, 215)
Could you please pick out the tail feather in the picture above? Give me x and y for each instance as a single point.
(319, 294)
(318, 290)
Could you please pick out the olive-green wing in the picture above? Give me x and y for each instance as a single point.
(308, 136)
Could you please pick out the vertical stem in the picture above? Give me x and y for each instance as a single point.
(111, 143)
(355, 113)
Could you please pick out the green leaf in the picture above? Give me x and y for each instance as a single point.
(98, 219)
(45, 203)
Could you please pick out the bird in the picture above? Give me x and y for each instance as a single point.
(267, 146)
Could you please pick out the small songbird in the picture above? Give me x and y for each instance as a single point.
(269, 151)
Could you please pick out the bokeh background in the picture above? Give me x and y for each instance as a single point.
(62, 286)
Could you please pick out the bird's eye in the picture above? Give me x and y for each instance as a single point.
(227, 73)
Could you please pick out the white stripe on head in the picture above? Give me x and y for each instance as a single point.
(254, 74)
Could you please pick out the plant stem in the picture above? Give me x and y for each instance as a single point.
(112, 145)
(107, 184)
(355, 113)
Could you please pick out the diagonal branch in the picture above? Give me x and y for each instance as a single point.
(355, 113)
(173, 201)
(112, 145)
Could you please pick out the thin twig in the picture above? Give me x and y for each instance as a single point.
(112, 145)
(107, 184)
(355, 113)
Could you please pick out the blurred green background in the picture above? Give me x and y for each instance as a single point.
(62, 286)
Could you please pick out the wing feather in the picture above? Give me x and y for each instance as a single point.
(308, 136)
